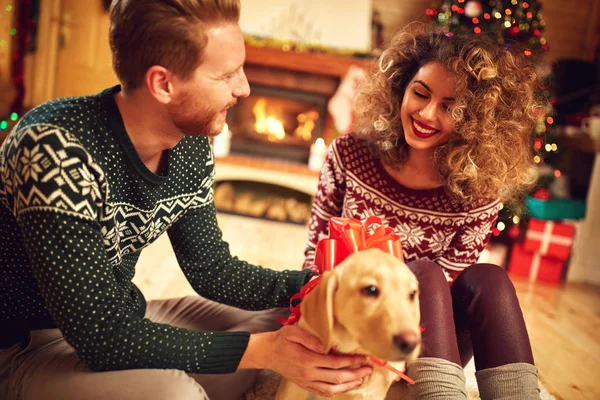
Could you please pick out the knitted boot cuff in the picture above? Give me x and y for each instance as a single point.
(518, 381)
(436, 379)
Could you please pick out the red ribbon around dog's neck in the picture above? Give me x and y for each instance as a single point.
(387, 365)
(297, 298)
(347, 236)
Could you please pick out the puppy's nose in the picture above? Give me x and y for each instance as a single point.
(406, 341)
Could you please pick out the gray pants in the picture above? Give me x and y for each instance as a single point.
(49, 369)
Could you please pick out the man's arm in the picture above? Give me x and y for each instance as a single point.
(214, 273)
(56, 192)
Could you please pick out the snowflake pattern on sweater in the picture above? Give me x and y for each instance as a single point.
(431, 224)
(78, 205)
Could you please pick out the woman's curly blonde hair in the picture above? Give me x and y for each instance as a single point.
(497, 103)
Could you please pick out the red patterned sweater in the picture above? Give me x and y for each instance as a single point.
(432, 225)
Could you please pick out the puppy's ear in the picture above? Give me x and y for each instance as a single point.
(317, 309)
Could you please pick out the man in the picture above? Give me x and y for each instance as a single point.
(86, 183)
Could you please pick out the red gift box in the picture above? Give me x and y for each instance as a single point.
(549, 238)
(535, 266)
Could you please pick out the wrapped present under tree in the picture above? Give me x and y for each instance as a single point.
(544, 253)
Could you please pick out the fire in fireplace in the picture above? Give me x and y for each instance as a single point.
(277, 123)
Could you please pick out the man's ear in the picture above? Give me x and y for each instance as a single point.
(160, 83)
(317, 309)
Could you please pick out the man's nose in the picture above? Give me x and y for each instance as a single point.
(242, 89)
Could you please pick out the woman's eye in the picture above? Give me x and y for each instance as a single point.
(421, 95)
(371, 291)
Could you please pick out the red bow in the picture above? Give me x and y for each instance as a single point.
(348, 235)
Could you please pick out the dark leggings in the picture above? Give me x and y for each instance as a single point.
(478, 315)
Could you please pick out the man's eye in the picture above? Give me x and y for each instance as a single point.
(371, 291)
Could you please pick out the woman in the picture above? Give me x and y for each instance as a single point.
(443, 139)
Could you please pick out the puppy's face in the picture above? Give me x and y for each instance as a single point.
(371, 307)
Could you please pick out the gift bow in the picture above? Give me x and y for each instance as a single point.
(347, 236)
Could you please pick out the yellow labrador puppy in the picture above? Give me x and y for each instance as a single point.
(368, 304)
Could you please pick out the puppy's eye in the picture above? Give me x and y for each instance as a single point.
(412, 295)
(370, 290)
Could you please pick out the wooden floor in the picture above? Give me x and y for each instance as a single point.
(563, 321)
(564, 327)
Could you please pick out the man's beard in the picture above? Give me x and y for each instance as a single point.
(198, 121)
(192, 118)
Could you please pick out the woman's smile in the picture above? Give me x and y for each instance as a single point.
(422, 130)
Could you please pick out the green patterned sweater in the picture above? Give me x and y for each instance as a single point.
(77, 205)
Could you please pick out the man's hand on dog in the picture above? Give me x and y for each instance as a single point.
(298, 356)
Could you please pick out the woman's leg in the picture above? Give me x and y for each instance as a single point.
(438, 372)
(490, 326)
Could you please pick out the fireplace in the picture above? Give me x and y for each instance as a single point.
(264, 170)
(286, 111)
(277, 123)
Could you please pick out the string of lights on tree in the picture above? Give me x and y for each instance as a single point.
(508, 22)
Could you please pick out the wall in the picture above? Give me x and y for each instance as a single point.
(584, 265)
(335, 23)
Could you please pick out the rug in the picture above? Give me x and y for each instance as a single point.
(268, 382)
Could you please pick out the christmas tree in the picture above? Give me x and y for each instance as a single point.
(508, 22)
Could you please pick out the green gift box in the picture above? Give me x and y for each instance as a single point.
(555, 209)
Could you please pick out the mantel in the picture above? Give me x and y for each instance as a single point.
(307, 62)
